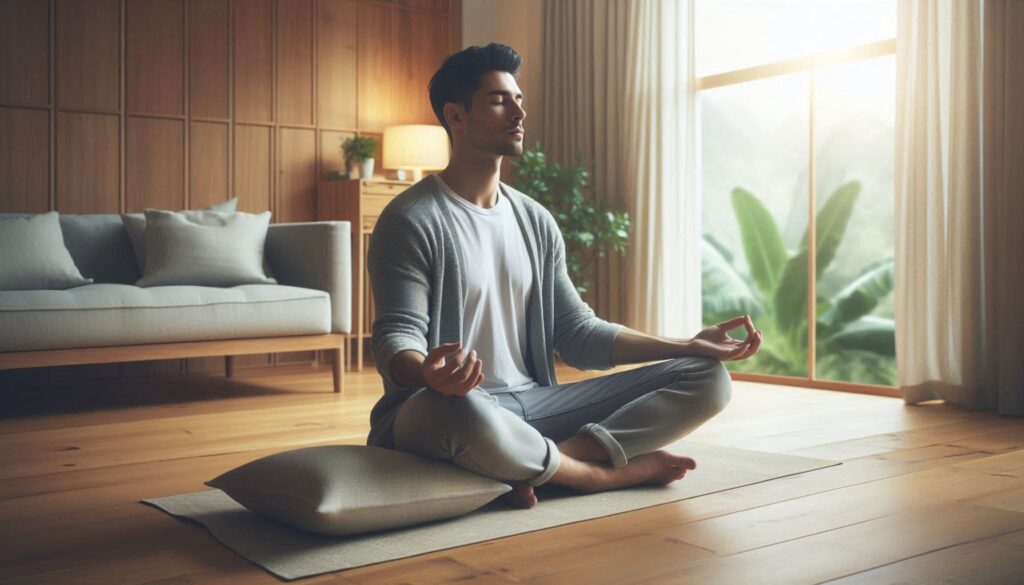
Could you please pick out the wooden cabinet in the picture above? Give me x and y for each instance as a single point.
(359, 202)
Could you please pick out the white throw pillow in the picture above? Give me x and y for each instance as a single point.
(350, 489)
(135, 225)
(205, 248)
(33, 255)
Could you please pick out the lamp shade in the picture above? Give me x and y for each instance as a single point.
(415, 146)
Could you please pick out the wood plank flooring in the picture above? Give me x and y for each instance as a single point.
(928, 493)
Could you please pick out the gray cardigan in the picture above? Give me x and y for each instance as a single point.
(416, 270)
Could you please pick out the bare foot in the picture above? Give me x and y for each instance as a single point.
(655, 468)
(521, 496)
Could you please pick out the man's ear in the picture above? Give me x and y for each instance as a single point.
(454, 113)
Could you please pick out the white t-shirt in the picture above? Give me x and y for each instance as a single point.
(499, 279)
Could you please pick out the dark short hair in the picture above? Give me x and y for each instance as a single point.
(459, 75)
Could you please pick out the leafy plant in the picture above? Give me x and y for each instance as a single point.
(589, 231)
(358, 148)
(851, 343)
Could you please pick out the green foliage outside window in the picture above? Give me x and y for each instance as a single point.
(852, 344)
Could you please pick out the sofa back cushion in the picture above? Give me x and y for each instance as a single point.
(205, 248)
(100, 247)
(135, 225)
(34, 256)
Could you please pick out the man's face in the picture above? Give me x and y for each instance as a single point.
(495, 122)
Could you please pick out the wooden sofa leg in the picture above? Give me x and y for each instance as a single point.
(348, 352)
(229, 366)
(337, 367)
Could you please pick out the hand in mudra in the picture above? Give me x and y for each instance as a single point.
(715, 341)
(450, 371)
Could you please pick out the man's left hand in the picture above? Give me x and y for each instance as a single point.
(715, 341)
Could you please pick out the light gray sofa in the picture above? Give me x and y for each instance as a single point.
(112, 320)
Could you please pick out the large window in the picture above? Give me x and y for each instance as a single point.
(796, 102)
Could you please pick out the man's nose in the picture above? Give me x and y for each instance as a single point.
(520, 113)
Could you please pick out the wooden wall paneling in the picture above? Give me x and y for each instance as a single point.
(155, 79)
(252, 183)
(154, 172)
(24, 160)
(455, 26)
(296, 175)
(208, 58)
(296, 170)
(88, 155)
(419, 53)
(24, 52)
(295, 62)
(336, 64)
(375, 66)
(265, 89)
(209, 164)
(253, 60)
(252, 162)
(331, 157)
(437, 5)
(88, 54)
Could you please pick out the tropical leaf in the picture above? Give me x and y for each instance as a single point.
(719, 246)
(790, 302)
(869, 333)
(860, 297)
(832, 220)
(724, 292)
(762, 242)
(858, 366)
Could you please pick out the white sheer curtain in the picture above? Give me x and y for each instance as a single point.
(618, 89)
(959, 201)
(664, 280)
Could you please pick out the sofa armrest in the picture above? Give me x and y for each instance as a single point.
(315, 255)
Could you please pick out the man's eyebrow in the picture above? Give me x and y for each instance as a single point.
(505, 92)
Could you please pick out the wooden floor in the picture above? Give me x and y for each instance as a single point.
(927, 493)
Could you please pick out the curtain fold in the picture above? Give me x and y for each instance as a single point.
(959, 282)
(618, 90)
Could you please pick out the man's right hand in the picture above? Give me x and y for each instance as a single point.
(450, 371)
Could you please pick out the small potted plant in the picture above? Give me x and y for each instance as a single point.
(360, 149)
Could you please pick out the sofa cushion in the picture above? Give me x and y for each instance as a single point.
(100, 247)
(208, 248)
(135, 226)
(350, 489)
(116, 314)
(34, 255)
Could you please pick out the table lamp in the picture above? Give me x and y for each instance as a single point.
(417, 147)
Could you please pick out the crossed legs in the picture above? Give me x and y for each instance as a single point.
(609, 429)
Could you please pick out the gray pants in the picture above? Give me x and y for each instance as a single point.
(511, 436)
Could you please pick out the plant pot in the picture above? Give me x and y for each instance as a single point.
(366, 169)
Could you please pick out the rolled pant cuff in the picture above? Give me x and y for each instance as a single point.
(615, 453)
(551, 463)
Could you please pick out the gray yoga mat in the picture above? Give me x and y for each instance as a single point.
(292, 554)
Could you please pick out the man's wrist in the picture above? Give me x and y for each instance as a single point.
(407, 369)
(683, 347)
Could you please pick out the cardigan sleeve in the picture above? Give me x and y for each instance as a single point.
(583, 340)
(399, 266)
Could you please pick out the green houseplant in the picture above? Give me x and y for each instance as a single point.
(360, 149)
(852, 344)
(589, 230)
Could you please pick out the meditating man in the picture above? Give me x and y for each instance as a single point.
(473, 300)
